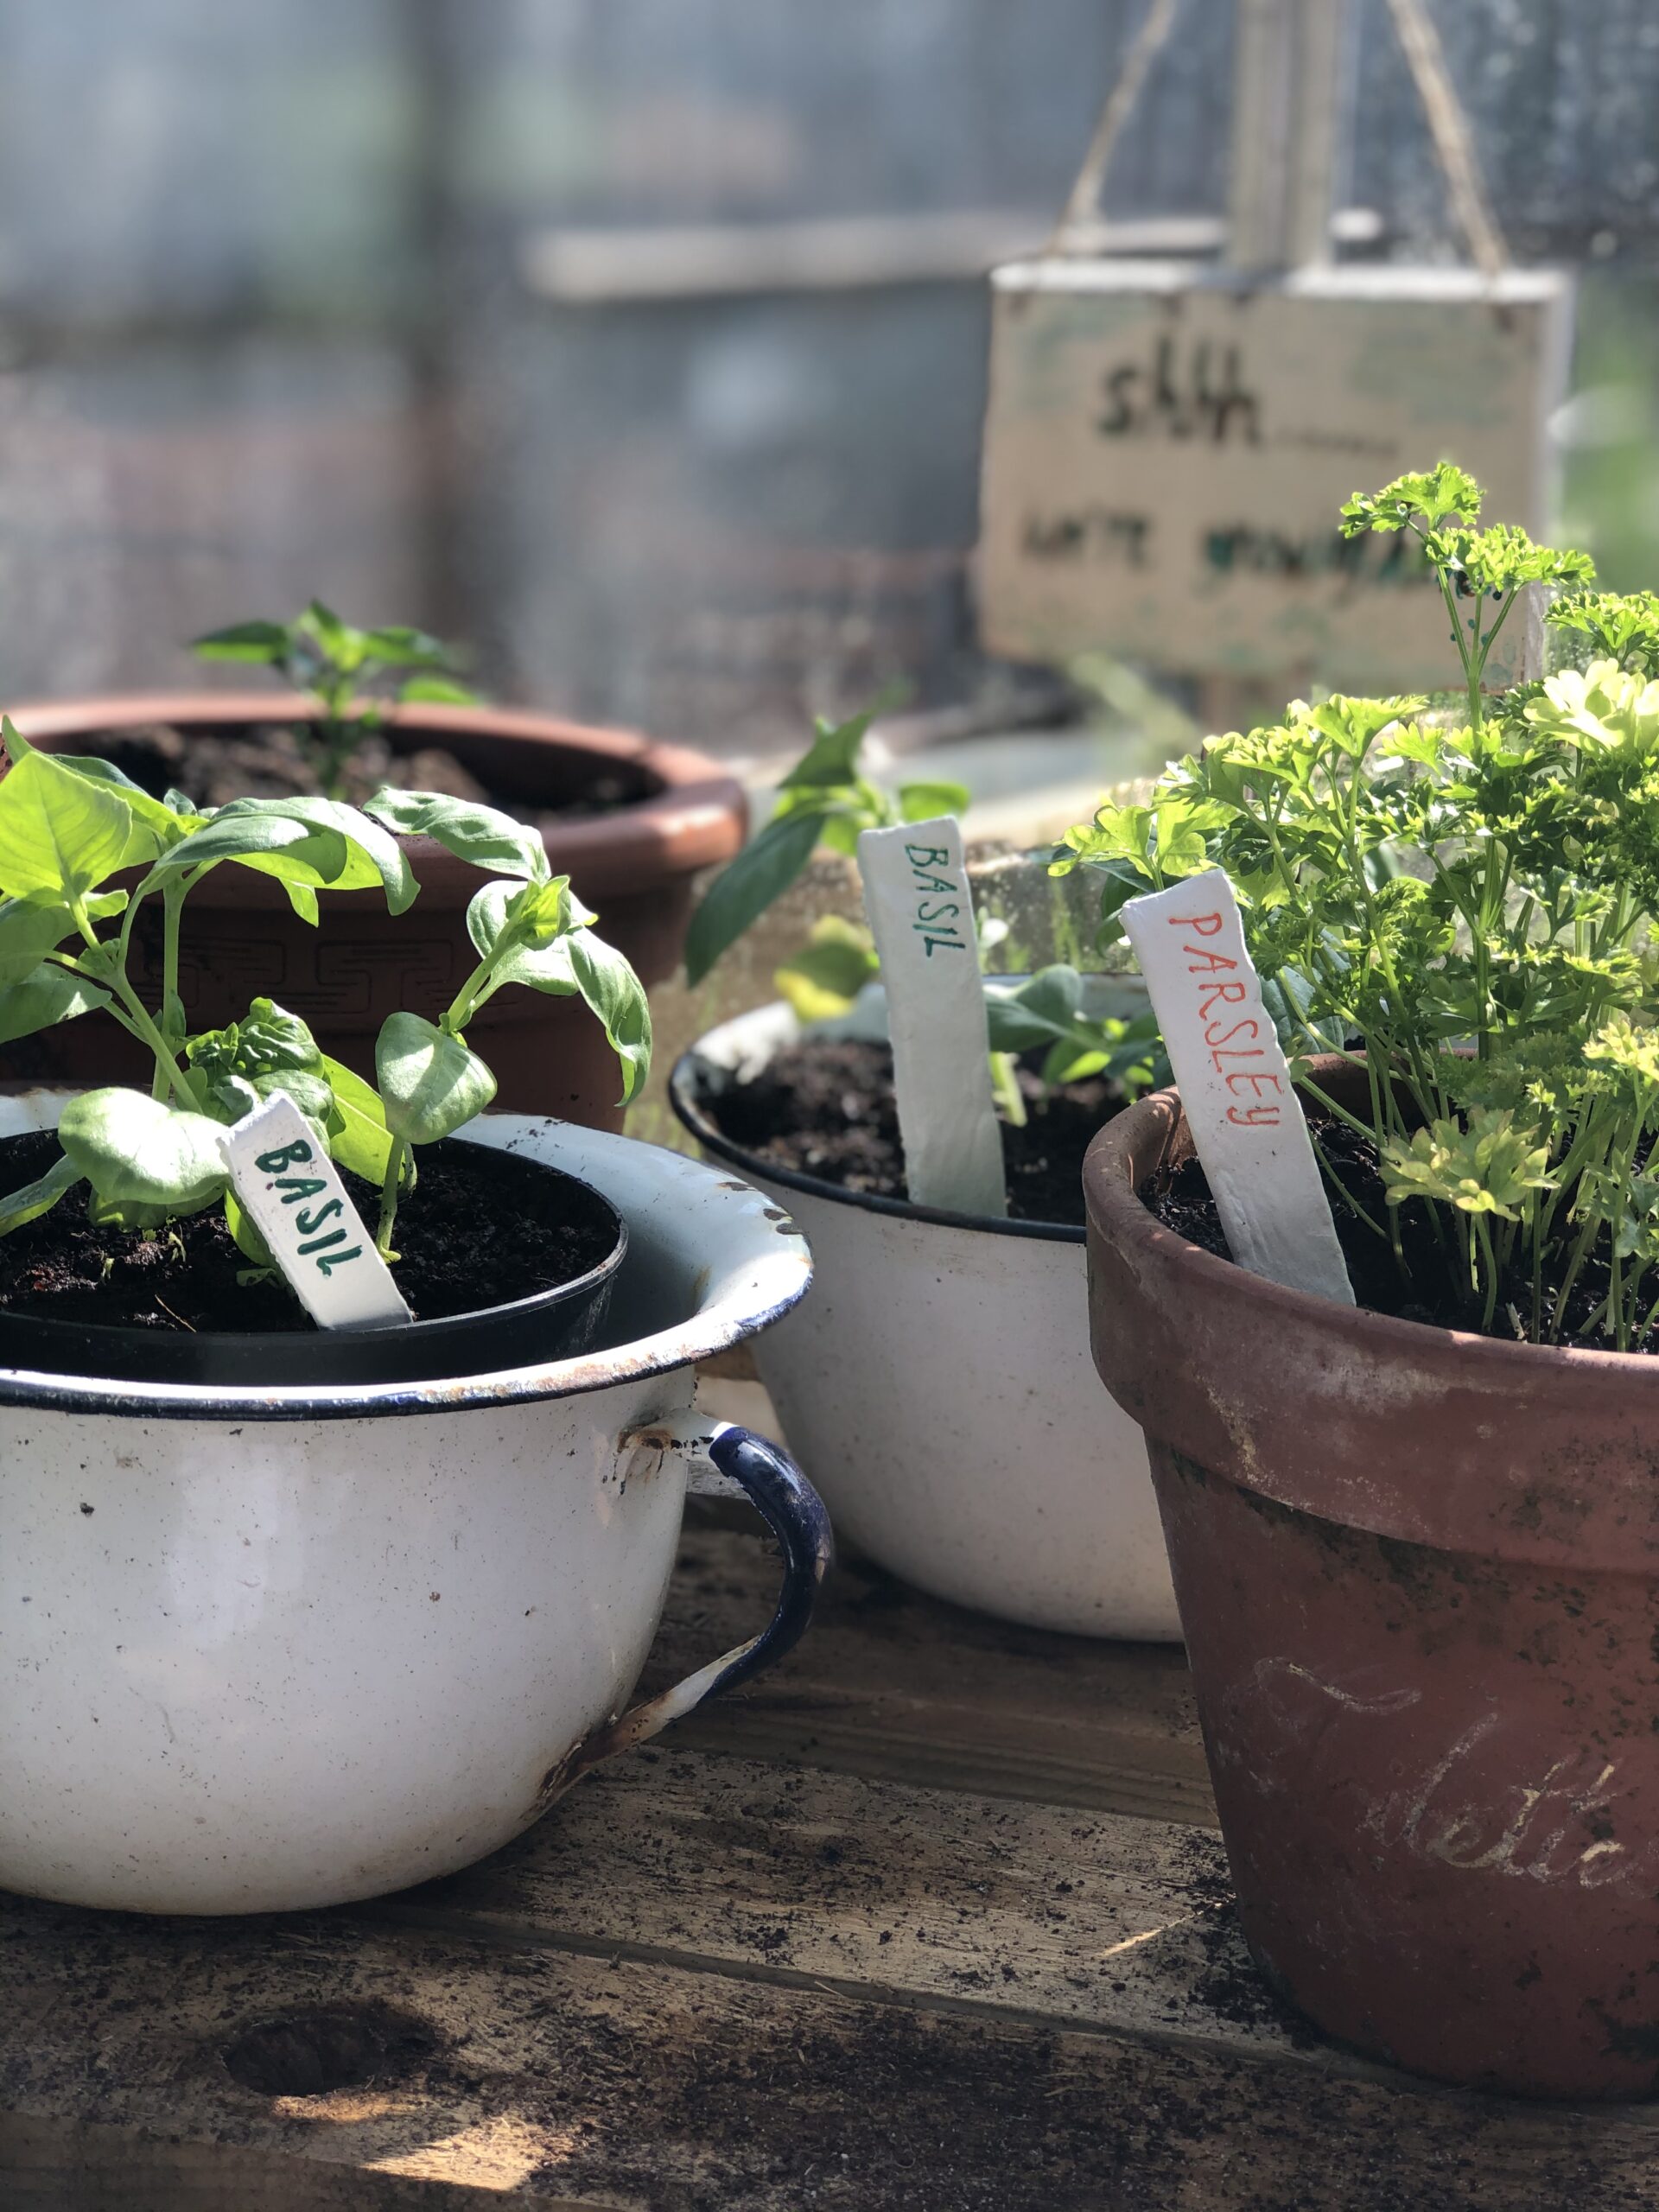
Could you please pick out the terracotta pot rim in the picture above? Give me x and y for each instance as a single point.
(1115, 1212)
(685, 1085)
(695, 816)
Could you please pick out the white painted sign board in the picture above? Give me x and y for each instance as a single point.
(921, 909)
(1168, 445)
(1246, 1120)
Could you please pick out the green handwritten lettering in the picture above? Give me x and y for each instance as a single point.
(272, 1163)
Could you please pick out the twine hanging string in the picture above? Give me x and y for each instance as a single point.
(1120, 102)
(1448, 125)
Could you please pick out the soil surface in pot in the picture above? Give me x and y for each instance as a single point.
(1182, 1201)
(266, 760)
(466, 1244)
(826, 1108)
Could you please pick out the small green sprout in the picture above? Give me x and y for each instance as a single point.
(341, 668)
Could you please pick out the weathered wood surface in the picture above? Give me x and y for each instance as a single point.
(891, 1683)
(713, 1983)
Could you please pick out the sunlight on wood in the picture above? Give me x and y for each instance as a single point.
(495, 2154)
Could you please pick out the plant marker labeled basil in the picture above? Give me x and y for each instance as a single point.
(1246, 1120)
(921, 910)
(292, 1191)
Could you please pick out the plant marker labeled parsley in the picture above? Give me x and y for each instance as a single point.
(292, 1192)
(1246, 1120)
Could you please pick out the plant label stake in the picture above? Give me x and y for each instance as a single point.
(921, 910)
(292, 1191)
(1246, 1120)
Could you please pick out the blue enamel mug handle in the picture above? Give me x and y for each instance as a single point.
(791, 1509)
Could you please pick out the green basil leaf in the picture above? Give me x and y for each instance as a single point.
(310, 1092)
(308, 841)
(244, 1234)
(38, 1197)
(832, 758)
(339, 643)
(357, 1136)
(436, 691)
(246, 832)
(615, 994)
(60, 833)
(482, 835)
(48, 995)
(159, 818)
(823, 979)
(263, 643)
(741, 893)
(921, 802)
(396, 646)
(430, 1084)
(29, 929)
(133, 1150)
(544, 915)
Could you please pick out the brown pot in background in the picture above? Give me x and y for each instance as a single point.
(633, 864)
(1418, 1573)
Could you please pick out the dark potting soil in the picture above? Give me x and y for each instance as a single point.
(826, 1108)
(466, 1244)
(1427, 1292)
(267, 761)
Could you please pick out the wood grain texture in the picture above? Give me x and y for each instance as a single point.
(922, 1896)
(891, 1683)
(594, 2082)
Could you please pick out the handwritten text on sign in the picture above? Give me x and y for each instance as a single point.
(1246, 1120)
(292, 1191)
(921, 912)
(1167, 449)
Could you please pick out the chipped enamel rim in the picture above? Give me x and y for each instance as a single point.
(744, 1045)
(741, 1263)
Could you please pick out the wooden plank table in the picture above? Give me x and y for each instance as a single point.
(933, 1918)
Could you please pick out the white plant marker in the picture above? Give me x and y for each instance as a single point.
(1246, 1120)
(292, 1191)
(921, 910)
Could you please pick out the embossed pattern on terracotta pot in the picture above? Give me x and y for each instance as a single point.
(1418, 1572)
(937, 1388)
(268, 1649)
(634, 863)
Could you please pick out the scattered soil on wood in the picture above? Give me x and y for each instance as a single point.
(467, 1241)
(267, 761)
(1428, 1292)
(826, 1108)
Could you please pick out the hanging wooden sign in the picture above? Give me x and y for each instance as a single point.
(1168, 446)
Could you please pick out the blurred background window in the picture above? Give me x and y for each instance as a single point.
(641, 343)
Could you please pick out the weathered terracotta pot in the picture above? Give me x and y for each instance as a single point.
(1419, 1574)
(633, 864)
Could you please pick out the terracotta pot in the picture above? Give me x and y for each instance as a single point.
(1419, 1575)
(633, 864)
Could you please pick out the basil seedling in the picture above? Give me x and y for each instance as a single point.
(68, 827)
(341, 666)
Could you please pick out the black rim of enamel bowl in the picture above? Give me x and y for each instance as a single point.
(550, 1325)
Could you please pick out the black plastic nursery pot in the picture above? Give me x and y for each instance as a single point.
(550, 1325)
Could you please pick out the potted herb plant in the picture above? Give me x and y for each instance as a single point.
(1415, 1540)
(291, 1615)
(937, 1384)
(630, 821)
